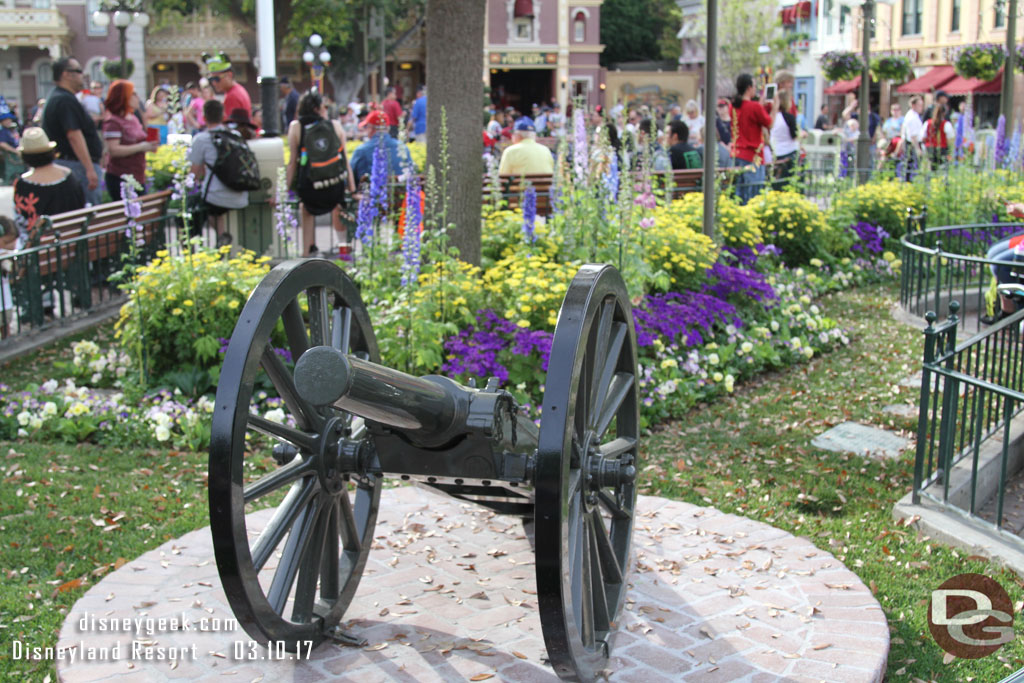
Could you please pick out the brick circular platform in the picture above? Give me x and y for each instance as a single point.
(448, 595)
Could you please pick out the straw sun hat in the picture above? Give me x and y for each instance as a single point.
(34, 141)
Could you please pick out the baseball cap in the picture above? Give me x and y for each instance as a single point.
(722, 101)
(375, 118)
(525, 123)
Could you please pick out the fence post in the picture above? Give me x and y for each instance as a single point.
(922, 415)
(950, 391)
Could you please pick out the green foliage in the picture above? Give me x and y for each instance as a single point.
(113, 69)
(883, 203)
(961, 195)
(793, 224)
(743, 27)
(182, 305)
(639, 30)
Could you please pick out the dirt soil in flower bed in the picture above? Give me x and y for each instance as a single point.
(70, 514)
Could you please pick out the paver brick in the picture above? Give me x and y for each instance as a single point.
(677, 617)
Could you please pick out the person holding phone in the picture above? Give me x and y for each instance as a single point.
(127, 140)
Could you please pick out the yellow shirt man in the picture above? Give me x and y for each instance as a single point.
(525, 156)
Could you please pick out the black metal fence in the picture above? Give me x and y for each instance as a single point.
(970, 393)
(949, 263)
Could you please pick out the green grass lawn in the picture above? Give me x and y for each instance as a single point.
(70, 514)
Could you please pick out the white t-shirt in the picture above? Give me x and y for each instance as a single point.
(696, 127)
(913, 127)
(782, 142)
(494, 130)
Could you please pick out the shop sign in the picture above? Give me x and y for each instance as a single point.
(523, 58)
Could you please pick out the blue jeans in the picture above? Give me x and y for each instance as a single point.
(748, 183)
(1000, 251)
(92, 197)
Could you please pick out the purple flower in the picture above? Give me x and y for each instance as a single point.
(529, 214)
(611, 178)
(374, 204)
(581, 156)
(686, 318)
(871, 238)
(958, 145)
(725, 280)
(411, 238)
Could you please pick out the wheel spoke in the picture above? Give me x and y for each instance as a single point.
(599, 596)
(349, 528)
(616, 510)
(617, 392)
(300, 440)
(294, 470)
(617, 447)
(575, 556)
(341, 332)
(281, 522)
(329, 568)
(310, 564)
(319, 316)
(295, 329)
(291, 557)
(610, 568)
(600, 338)
(305, 415)
(607, 370)
(586, 601)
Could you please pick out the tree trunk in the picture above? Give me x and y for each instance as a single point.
(455, 41)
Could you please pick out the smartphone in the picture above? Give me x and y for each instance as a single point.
(152, 134)
(769, 92)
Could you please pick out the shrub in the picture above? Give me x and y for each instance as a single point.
(180, 306)
(735, 225)
(502, 236)
(793, 224)
(883, 203)
(529, 291)
(676, 248)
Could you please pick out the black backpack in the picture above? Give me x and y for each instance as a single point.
(236, 164)
(322, 162)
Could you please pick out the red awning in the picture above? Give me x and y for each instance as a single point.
(803, 9)
(523, 8)
(843, 87)
(929, 81)
(962, 86)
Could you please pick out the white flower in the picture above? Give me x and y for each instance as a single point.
(205, 404)
(795, 341)
(730, 382)
(667, 387)
(815, 310)
(747, 347)
(823, 337)
(730, 330)
(49, 386)
(121, 370)
(162, 433)
(717, 377)
(35, 422)
(23, 417)
(22, 433)
(275, 415)
(162, 420)
(49, 409)
(713, 359)
(98, 365)
(96, 378)
(775, 326)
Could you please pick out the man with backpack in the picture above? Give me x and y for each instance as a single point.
(318, 169)
(226, 166)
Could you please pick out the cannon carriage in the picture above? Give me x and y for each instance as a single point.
(357, 421)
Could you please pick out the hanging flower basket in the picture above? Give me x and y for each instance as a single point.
(980, 61)
(842, 66)
(112, 68)
(896, 69)
(1019, 64)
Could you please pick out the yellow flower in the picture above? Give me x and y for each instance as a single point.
(187, 302)
(177, 311)
(233, 304)
(523, 323)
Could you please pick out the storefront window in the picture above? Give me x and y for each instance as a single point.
(579, 28)
(524, 28)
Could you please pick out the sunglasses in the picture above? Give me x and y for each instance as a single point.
(214, 79)
(74, 71)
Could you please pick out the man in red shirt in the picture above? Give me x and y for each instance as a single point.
(393, 110)
(222, 78)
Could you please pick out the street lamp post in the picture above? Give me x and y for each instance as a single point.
(123, 13)
(316, 60)
(864, 139)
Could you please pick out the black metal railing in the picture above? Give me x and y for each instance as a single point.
(946, 263)
(970, 393)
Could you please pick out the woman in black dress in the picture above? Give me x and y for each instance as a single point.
(46, 189)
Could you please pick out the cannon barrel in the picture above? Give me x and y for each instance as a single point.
(326, 376)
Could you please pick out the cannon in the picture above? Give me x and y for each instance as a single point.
(306, 332)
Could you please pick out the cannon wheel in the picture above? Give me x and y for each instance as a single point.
(585, 473)
(290, 580)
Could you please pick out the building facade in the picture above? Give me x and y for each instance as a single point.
(539, 51)
(35, 33)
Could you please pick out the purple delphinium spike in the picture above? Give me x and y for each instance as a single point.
(581, 155)
(373, 205)
(611, 178)
(958, 144)
(529, 214)
(1013, 149)
(411, 238)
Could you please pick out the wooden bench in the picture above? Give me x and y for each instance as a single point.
(75, 250)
